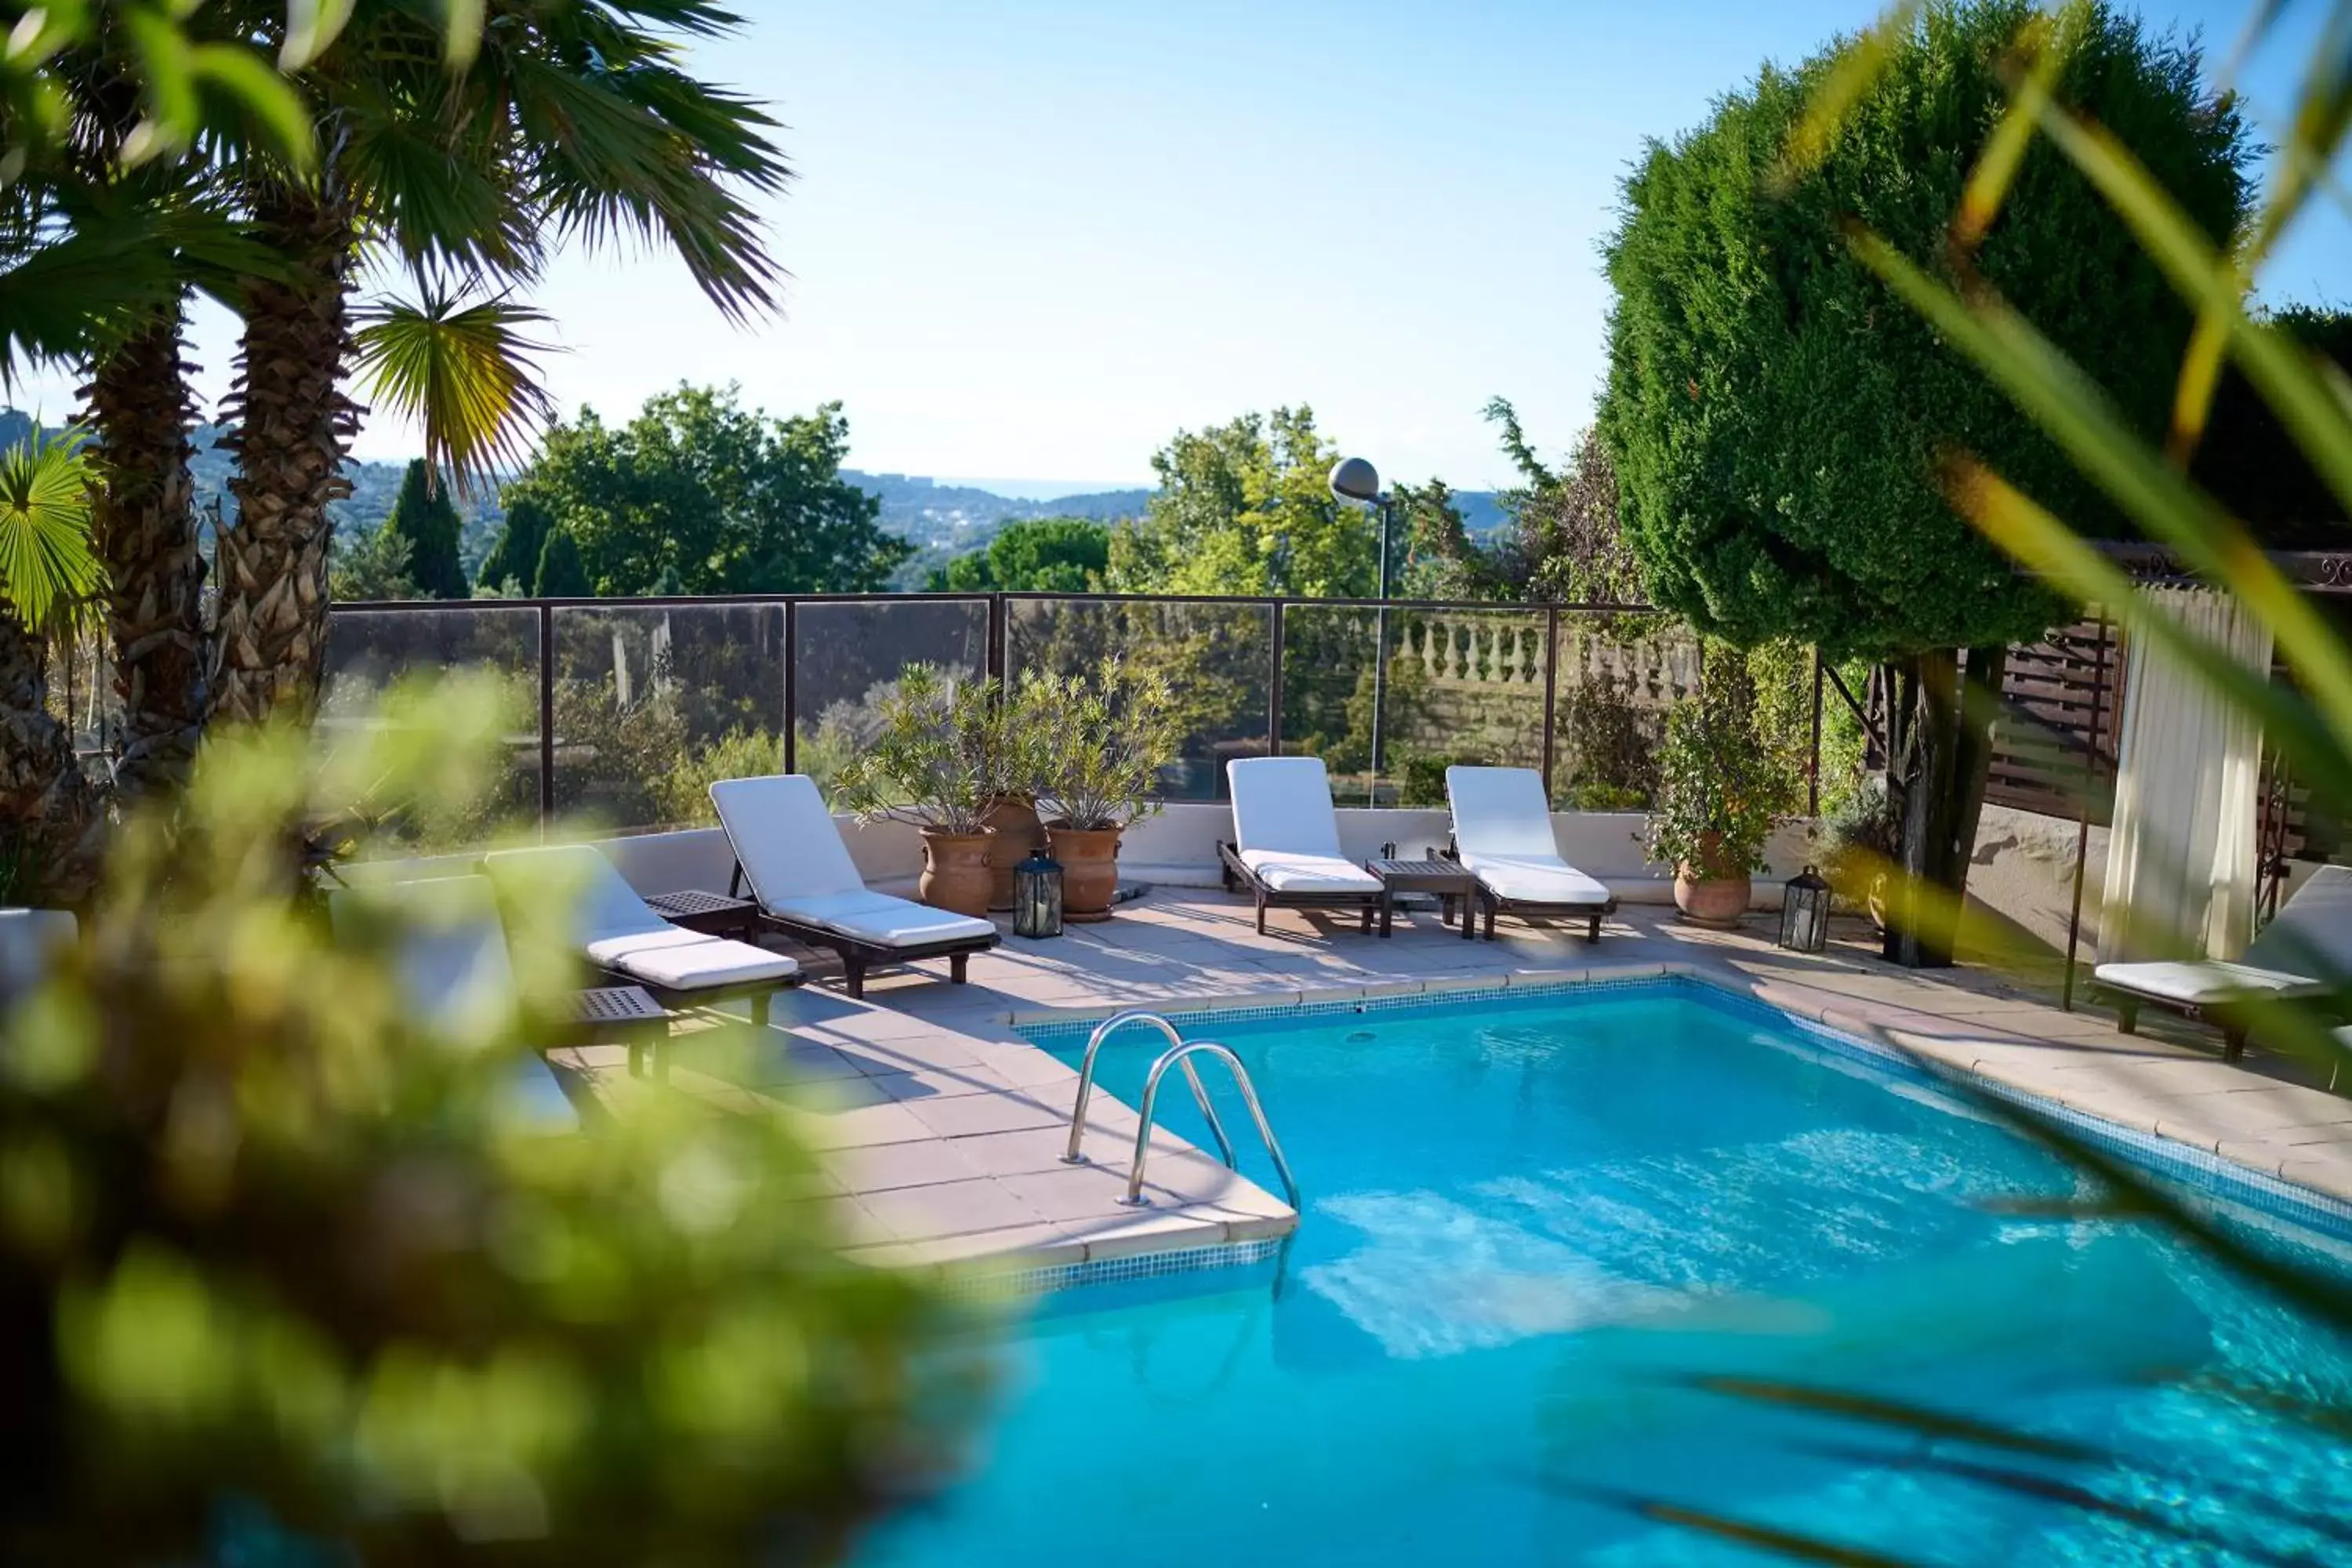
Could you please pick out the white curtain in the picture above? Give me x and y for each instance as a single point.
(2182, 861)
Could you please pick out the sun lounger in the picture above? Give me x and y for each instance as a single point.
(1502, 837)
(789, 852)
(453, 973)
(616, 932)
(2304, 953)
(1285, 845)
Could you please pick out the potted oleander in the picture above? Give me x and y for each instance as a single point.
(1018, 731)
(1101, 742)
(934, 763)
(1721, 792)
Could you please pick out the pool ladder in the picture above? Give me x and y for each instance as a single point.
(1178, 1054)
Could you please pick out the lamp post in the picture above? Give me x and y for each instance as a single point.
(1355, 482)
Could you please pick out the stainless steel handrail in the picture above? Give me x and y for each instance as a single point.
(1103, 1031)
(1180, 1056)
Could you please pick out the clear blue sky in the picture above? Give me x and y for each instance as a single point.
(1032, 238)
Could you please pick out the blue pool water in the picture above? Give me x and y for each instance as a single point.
(1530, 1224)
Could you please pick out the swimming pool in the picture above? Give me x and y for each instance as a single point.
(1530, 1223)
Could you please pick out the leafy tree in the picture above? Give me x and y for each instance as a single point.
(1246, 508)
(514, 555)
(423, 518)
(1567, 541)
(1037, 555)
(46, 570)
(560, 574)
(1778, 424)
(372, 566)
(728, 498)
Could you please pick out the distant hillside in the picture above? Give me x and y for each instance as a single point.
(930, 513)
(374, 486)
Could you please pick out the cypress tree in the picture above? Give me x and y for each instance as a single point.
(514, 554)
(423, 516)
(560, 574)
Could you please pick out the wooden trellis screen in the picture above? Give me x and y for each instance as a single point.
(2063, 701)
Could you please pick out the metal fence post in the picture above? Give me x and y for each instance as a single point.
(546, 717)
(2083, 817)
(1274, 690)
(997, 626)
(792, 662)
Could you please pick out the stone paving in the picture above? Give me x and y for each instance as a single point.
(942, 1129)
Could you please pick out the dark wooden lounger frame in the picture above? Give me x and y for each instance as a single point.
(857, 955)
(1493, 903)
(2235, 1021)
(1239, 876)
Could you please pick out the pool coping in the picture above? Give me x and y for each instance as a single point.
(941, 1124)
(1883, 1035)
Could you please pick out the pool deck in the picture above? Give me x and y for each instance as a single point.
(942, 1129)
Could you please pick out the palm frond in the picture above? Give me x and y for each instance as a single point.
(465, 372)
(46, 561)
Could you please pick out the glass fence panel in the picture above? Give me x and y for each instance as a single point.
(1327, 690)
(1461, 687)
(1219, 657)
(369, 651)
(848, 657)
(654, 702)
(1618, 674)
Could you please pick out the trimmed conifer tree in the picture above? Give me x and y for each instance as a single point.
(1778, 417)
(514, 554)
(423, 516)
(561, 574)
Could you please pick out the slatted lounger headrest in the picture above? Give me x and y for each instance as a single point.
(1283, 804)
(2311, 934)
(1500, 812)
(452, 970)
(784, 838)
(600, 901)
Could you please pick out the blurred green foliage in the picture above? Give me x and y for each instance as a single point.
(274, 1241)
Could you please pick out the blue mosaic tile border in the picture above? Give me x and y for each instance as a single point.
(2199, 1173)
(981, 1283)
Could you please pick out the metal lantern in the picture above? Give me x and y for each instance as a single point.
(1037, 895)
(1805, 912)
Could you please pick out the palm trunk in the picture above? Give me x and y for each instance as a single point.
(143, 523)
(47, 810)
(293, 429)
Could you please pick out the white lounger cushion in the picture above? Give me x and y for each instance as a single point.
(451, 966)
(2194, 983)
(784, 838)
(1284, 805)
(882, 919)
(619, 931)
(1500, 812)
(2311, 932)
(1502, 830)
(1550, 881)
(453, 973)
(791, 854)
(675, 959)
(1309, 873)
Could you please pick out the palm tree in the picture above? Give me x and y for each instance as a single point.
(48, 573)
(570, 122)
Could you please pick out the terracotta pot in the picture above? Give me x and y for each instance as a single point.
(955, 871)
(1089, 857)
(1014, 831)
(1707, 893)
